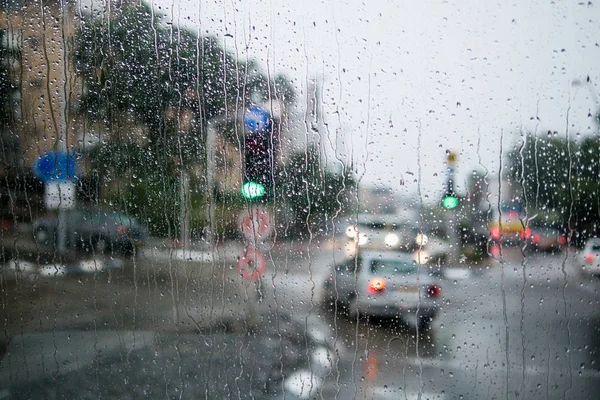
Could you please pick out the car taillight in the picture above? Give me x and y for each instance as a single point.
(590, 258)
(376, 285)
(562, 239)
(526, 234)
(122, 229)
(434, 291)
(495, 232)
(536, 238)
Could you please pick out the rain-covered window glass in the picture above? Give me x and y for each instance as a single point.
(328, 200)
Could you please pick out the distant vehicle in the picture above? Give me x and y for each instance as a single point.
(588, 259)
(98, 230)
(544, 239)
(508, 227)
(389, 232)
(385, 284)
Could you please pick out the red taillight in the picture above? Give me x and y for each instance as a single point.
(376, 285)
(122, 229)
(526, 234)
(590, 258)
(434, 291)
(536, 238)
(562, 239)
(495, 232)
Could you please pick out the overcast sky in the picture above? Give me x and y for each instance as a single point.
(447, 75)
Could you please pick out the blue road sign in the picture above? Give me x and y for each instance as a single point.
(256, 119)
(55, 166)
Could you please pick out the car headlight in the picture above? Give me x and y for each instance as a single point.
(351, 231)
(321, 361)
(303, 384)
(391, 239)
(421, 239)
(421, 257)
(363, 239)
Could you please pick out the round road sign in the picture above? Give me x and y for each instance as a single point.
(255, 224)
(252, 264)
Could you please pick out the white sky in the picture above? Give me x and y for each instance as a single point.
(454, 73)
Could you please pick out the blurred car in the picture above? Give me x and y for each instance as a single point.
(271, 361)
(385, 284)
(388, 232)
(588, 259)
(544, 239)
(102, 231)
(508, 227)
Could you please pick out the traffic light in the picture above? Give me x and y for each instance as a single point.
(450, 200)
(258, 155)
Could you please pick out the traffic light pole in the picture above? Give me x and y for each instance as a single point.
(451, 216)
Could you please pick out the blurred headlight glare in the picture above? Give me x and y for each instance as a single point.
(392, 240)
(303, 384)
(421, 239)
(363, 239)
(421, 257)
(351, 231)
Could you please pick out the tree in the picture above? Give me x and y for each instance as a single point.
(561, 179)
(165, 84)
(314, 193)
(135, 67)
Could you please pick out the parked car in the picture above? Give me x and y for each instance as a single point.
(544, 239)
(99, 230)
(588, 259)
(385, 284)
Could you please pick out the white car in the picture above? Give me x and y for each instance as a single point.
(385, 284)
(384, 232)
(589, 258)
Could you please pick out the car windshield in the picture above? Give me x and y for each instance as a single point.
(327, 199)
(393, 267)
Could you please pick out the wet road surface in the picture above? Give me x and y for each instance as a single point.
(515, 328)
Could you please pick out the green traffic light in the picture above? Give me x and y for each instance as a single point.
(252, 190)
(450, 202)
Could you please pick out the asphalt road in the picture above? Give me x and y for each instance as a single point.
(517, 327)
(510, 328)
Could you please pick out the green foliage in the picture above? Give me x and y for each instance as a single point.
(314, 193)
(560, 178)
(141, 73)
(137, 67)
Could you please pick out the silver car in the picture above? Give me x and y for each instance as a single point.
(589, 258)
(385, 284)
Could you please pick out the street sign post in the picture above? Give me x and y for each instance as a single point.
(55, 166)
(256, 119)
(59, 195)
(252, 264)
(58, 170)
(255, 224)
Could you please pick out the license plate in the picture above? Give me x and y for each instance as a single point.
(408, 289)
